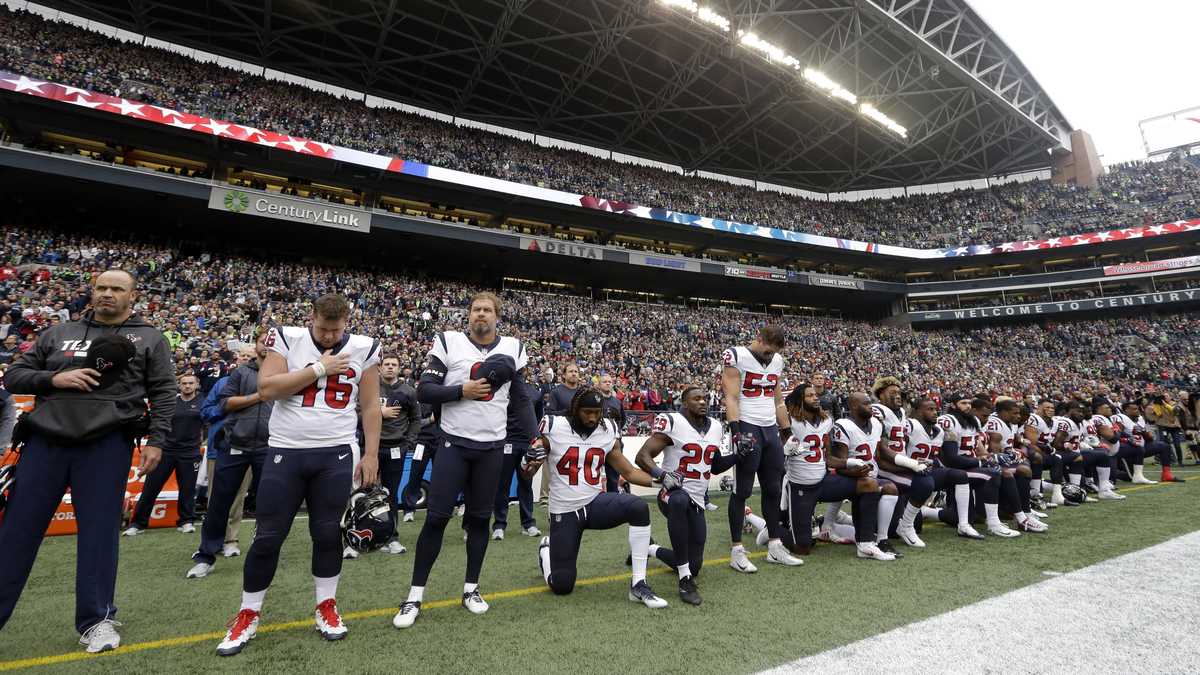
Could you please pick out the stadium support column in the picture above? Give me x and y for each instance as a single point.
(1081, 166)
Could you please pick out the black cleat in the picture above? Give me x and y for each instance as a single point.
(688, 591)
(886, 547)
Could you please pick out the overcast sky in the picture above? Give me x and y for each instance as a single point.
(1106, 64)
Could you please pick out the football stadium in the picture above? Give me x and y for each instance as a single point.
(788, 335)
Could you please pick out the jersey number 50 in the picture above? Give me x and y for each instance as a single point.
(337, 391)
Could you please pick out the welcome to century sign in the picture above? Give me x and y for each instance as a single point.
(1091, 305)
(267, 205)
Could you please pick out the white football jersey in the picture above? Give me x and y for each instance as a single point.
(1123, 424)
(1075, 432)
(1008, 432)
(808, 467)
(324, 413)
(1042, 427)
(922, 443)
(691, 451)
(861, 444)
(484, 420)
(893, 426)
(968, 439)
(757, 398)
(576, 464)
(1094, 425)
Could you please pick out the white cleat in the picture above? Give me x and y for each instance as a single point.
(871, 551)
(709, 506)
(641, 592)
(241, 631)
(844, 518)
(497, 535)
(739, 561)
(349, 553)
(101, 637)
(474, 602)
(1109, 495)
(833, 538)
(967, 532)
(409, 517)
(231, 550)
(394, 547)
(762, 537)
(1002, 530)
(1142, 480)
(909, 536)
(186, 528)
(199, 571)
(407, 615)
(132, 531)
(329, 621)
(460, 510)
(1031, 524)
(531, 531)
(1037, 514)
(777, 553)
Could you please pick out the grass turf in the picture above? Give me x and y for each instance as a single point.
(747, 622)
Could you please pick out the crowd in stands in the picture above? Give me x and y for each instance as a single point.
(208, 304)
(1132, 194)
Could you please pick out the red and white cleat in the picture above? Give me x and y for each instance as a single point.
(241, 630)
(329, 622)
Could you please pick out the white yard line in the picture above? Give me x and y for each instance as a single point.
(1133, 614)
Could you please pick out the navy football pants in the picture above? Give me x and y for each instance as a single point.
(834, 487)
(96, 474)
(319, 477)
(767, 463)
(606, 511)
(686, 528)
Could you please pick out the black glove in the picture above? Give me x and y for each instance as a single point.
(743, 444)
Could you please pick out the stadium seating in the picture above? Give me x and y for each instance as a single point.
(652, 349)
(1133, 194)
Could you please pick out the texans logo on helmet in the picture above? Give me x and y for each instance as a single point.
(361, 536)
(103, 364)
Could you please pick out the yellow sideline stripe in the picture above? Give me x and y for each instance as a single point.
(307, 623)
(364, 614)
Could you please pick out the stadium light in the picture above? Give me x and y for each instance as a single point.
(887, 122)
(701, 14)
(822, 81)
(776, 54)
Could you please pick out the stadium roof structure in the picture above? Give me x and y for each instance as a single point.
(645, 78)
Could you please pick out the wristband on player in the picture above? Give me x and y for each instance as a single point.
(319, 369)
(906, 462)
(855, 463)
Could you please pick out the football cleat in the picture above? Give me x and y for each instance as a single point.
(1038, 502)
(1142, 480)
(460, 510)
(407, 615)
(242, 629)
(394, 547)
(968, 532)
(762, 537)
(1002, 530)
(1109, 495)
(531, 531)
(833, 538)
(186, 528)
(844, 518)
(688, 591)
(497, 535)
(199, 571)
(909, 536)
(409, 517)
(739, 561)
(101, 637)
(132, 531)
(231, 550)
(1089, 485)
(349, 554)
(474, 602)
(777, 553)
(1037, 514)
(1031, 524)
(709, 506)
(886, 547)
(329, 621)
(871, 551)
(641, 592)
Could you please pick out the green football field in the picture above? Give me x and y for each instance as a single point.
(747, 622)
